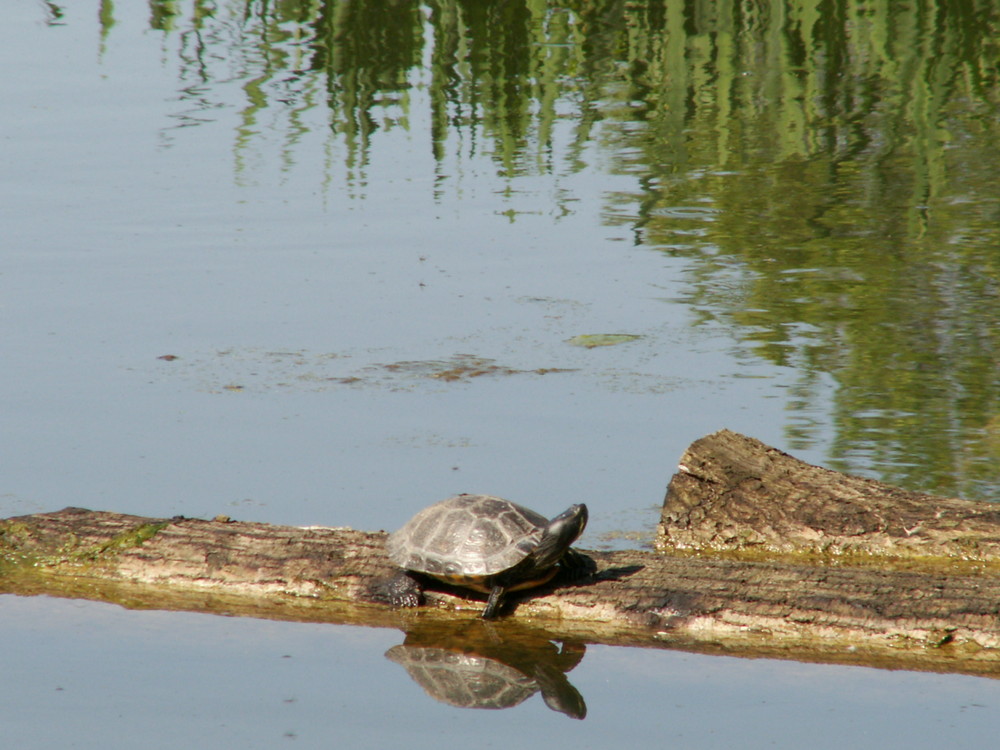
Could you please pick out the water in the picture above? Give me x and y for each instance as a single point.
(113, 679)
(129, 238)
(331, 222)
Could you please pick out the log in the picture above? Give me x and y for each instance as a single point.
(924, 615)
(734, 493)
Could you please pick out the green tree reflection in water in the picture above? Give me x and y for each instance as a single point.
(830, 167)
(841, 157)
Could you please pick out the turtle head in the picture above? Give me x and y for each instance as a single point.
(561, 532)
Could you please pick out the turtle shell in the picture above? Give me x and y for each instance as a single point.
(467, 538)
(464, 680)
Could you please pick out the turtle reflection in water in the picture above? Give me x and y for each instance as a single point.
(486, 544)
(485, 673)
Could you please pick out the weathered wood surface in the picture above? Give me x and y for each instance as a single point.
(931, 617)
(734, 493)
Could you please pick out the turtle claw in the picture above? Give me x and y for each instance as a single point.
(406, 600)
(404, 591)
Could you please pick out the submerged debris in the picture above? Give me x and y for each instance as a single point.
(235, 370)
(459, 367)
(590, 340)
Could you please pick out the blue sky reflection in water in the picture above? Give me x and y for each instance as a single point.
(820, 277)
(82, 674)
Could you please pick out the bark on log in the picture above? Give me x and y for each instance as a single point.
(932, 618)
(734, 493)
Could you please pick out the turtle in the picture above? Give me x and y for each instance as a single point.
(483, 543)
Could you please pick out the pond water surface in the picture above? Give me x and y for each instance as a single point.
(80, 674)
(328, 263)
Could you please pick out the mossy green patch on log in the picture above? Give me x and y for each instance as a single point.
(938, 564)
(126, 540)
(14, 536)
(24, 545)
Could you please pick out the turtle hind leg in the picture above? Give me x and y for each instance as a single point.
(493, 603)
(404, 590)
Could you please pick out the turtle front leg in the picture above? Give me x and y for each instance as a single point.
(404, 590)
(493, 603)
(576, 564)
